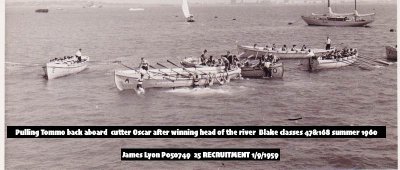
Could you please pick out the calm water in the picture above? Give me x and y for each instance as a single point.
(346, 96)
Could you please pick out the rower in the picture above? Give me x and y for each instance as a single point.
(293, 48)
(284, 48)
(255, 45)
(210, 61)
(303, 48)
(273, 47)
(266, 47)
(78, 55)
(144, 64)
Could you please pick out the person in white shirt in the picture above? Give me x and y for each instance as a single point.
(328, 43)
(311, 59)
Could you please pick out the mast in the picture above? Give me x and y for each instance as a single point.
(329, 3)
(355, 5)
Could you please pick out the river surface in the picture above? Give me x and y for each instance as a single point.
(345, 96)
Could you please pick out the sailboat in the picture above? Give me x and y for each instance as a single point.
(353, 19)
(186, 13)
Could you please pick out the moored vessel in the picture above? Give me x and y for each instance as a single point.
(353, 19)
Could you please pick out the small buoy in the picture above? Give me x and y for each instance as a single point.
(176, 15)
(216, 17)
(367, 26)
(290, 23)
(391, 30)
(234, 19)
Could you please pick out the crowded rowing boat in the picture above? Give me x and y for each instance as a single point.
(283, 53)
(264, 66)
(173, 77)
(334, 59)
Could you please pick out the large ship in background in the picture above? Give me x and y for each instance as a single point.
(353, 19)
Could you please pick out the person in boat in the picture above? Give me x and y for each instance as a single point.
(275, 59)
(219, 63)
(328, 43)
(226, 62)
(140, 82)
(210, 61)
(255, 45)
(273, 47)
(230, 59)
(266, 47)
(284, 48)
(144, 64)
(267, 65)
(78, 55)
(203, 59)
(303, 48)
(293, 48)
(235, 61)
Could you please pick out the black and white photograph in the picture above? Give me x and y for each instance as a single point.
(325, 67)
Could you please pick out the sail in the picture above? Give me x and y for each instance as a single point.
(331, 13)
(185, 9)
(362, 15)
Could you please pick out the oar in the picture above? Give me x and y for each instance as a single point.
(163, 73)
(185, 68)
(127, 66)
(366, 61)
(179, 67)
(172, 70)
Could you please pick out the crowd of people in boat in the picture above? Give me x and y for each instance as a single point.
(228, 60)
(69, 59)
(283, 48)
(266, 62)
(336, 54)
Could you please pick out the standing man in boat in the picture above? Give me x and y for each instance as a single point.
(226, 62)
(78, 55)
(203, 58)
(328, 43)
(144, 64)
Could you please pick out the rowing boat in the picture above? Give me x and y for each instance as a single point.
(174, 77)
(258, 71)
(296, 53)
(55, 69)
(391, 53)
(319, 63)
